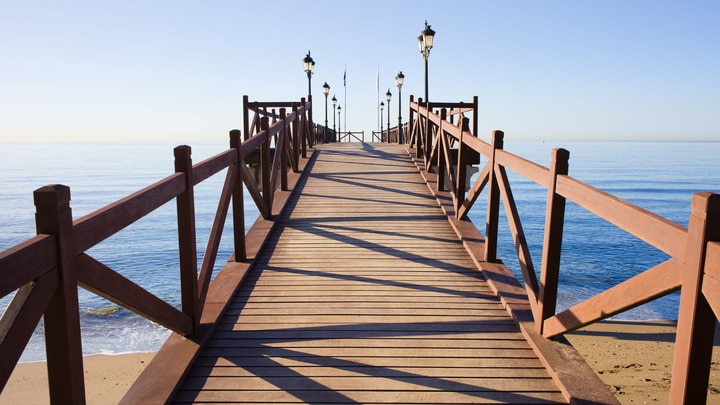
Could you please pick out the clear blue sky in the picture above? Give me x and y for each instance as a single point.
(177, 70)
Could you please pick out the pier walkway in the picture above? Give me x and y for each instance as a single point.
(363, 293)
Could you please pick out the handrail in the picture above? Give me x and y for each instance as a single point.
(693, 267)
(44, 271)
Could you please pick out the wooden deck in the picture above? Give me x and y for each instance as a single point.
(364, 294)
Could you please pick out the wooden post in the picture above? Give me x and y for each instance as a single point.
(63, 345)
(696, 320)
(475, 116)
(461, 167)
(441, 153)
(266, 166)
(238, 201)
(282, 154)
(295, 143)
(246, 118)
(305, 131)
(186, 236)
(411, 124)
(311, 125)
(552, 243)
(428, 137)
(493, 202)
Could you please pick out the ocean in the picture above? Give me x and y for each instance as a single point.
(658, 176)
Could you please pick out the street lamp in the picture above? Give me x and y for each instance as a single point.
(399, 80)
(338, 109)
(425, 40)
(388, 96)
(334, 103)
(309, 67)
(326, 91)
(382, 107)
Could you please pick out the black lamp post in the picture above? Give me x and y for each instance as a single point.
(388, 96)
(338, 109)
(334, 103)
(309, 66)
(399, 80)
(382, 107)
(425, 40)
(326, 91)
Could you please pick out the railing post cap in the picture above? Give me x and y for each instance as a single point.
(182, 150)
(51, 196)
(706, 202)
(560, 154)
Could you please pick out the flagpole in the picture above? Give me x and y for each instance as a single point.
(377, 93)
(346, 103)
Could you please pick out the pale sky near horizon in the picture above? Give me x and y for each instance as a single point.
(177, 70)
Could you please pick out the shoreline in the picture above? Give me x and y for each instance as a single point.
(634, 358)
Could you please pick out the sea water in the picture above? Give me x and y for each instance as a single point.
(658, 176)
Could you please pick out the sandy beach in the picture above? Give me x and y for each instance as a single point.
(633, 358)
(107, 378)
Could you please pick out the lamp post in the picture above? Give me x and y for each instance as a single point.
(382, 107)
(399, 80)
(338, 109)
(388, 96)
(425, 40)
(326, 91)
(309, 67)
(334, 103)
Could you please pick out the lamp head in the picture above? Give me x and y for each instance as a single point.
(308, 64)
(399, 79)
(428, 36)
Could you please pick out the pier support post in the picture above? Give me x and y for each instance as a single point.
(281, 152)
(238, 202)
(493, 202)
(294, 138)
(246, 117)
(305, 132)
(440, 148)
(266, 166)
(461, 167)
(187, 242)
(552, 243)
(696, 320)
(63, 345)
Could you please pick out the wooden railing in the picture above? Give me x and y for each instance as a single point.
(693, 266)
(44, 272)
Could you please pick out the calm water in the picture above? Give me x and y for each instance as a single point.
(658, 176)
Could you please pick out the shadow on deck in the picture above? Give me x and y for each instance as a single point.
(364, 292)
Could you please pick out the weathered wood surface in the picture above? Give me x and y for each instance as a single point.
(364, 294)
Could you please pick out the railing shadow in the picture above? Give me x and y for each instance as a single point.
(441, 146)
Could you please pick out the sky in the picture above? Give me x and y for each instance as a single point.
(177, 70)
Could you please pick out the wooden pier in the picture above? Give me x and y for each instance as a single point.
(362, 281)
(365, 294)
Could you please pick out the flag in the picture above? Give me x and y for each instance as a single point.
(377, 79)
(344, 75)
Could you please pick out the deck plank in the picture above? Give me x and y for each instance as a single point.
(364, 294)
